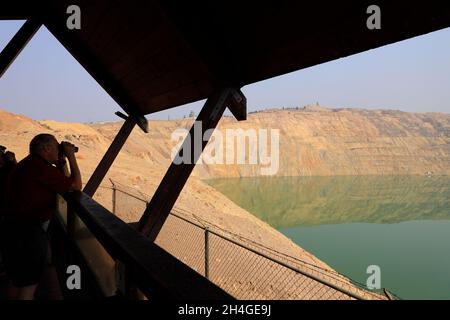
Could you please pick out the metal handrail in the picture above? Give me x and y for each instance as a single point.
(313, 268)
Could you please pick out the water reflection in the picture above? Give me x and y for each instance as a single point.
(305, 201)
(352, 222)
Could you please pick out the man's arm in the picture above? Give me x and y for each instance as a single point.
(69, 151)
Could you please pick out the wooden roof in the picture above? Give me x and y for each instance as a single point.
(154, 55)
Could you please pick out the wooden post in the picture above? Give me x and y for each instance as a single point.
(111, 154)
(114, 194)
(176, 176)
(17, 43)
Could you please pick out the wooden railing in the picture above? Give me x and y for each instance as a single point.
(156, 273)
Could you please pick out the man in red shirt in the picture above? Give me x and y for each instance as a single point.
(30, 202)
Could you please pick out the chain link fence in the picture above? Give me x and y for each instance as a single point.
(245, 269)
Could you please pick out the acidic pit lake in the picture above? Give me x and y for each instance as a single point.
(399, 223)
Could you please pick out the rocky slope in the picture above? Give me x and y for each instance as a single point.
(141, 170)
(316, 141)
(312, 141)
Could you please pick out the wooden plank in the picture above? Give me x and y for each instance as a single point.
(177, 175)
(19, 9)
(65, 253)
(186, 74)
(109, 157)
(181, 95)
(236, 43)
(155, 272)
(238, 105)
(17, 43)
(139, 36)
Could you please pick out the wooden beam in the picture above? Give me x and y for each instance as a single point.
(155, 272)
(141, 121)
(21, 9)
(238, 105)
(17, 43)
(110, 155)
(176, 176)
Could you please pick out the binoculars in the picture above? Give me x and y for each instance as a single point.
(61, 150)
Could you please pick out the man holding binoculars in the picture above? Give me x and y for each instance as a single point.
(30, 203)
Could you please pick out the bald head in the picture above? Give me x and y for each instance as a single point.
(46, 146)
(39, 142)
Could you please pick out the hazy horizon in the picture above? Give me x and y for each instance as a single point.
(228, 114)
(46, 82)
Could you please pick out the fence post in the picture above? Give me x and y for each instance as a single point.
(206, 253)
(113, 197)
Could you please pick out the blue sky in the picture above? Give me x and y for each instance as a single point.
(45, 82)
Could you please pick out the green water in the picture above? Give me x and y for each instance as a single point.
(401, 224)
